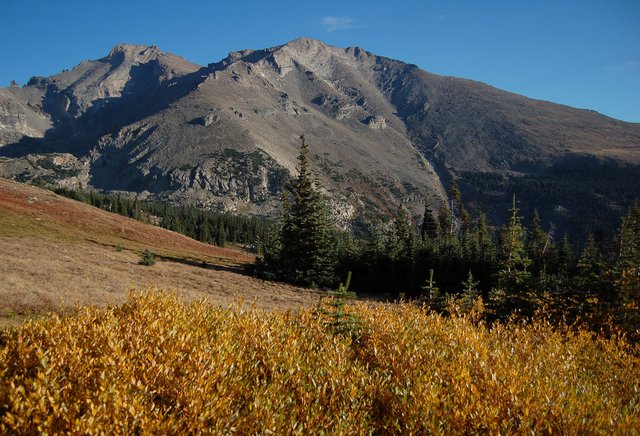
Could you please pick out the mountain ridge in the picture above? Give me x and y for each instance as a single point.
(224, 135)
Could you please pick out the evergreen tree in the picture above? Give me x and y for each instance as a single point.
(432, 295)
(135, 211)
(461, 219)
(402, 247)
(403, 237)
(512, 244)
(565, 258)
(589, 280)
(538, 244)
(204, 232)
(626, 273)
(486, 246)
(470, 292)
(590, 260)
(271, 264)
(445, 220)
(429, 229)
(510, 294)
(627, 266)
(307, 242)
(221, 236)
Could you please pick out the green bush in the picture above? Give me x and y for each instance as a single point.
(148, 258)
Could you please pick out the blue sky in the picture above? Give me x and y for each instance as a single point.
(580, 53)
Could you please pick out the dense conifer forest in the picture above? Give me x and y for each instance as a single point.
(453, 256)
(203, 225)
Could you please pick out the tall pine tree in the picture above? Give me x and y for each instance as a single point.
(511, 295)
(307, 245)
(429, 228)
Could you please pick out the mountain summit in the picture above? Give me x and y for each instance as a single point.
(225, 135)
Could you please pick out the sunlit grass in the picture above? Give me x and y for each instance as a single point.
(160, 365)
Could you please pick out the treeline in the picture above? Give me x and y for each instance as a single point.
(579, 195)
(517, 269)
(203, 225)
(451, 255)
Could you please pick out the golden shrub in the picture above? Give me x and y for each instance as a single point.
(159, 365)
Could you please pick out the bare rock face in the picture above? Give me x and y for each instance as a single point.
(206, 120)
(58, 169)
(376, 122)
(381, 132)
(18, 119)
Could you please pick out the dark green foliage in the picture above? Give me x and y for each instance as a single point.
(470, 292)
(566, 259)
(339, 320)
(203, 225)
(590, 267)
(515, 262)
(523, 271)
(429, 228)
(539, 245)
(305, 251)
(445, 220)
(520, 273)
(431, 294)
(593, 189)
(147, 258)
(510, 292)
(626, 272)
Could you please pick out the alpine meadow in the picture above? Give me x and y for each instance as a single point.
(307, 239)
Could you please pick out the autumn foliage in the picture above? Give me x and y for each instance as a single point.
(160, 365)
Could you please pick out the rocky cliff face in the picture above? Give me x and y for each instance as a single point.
(226, 135)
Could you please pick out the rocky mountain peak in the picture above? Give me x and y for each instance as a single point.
(134, 54)
(382, 131)
(133, 49)
(305, 54)
(305, 44)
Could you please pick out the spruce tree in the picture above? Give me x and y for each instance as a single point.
(565, 258)
(484, 240)
(307, 251)
(431, 294)
(510, 294)
(429, 229)
(512, 243)
(445, 220)
(470, 292)
(402, 247)
(271, 265)
(626, 272)
(403, 242)
(589, 280)
(538, 244)
(627, 266)
(461, 219)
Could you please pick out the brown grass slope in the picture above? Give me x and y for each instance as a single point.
(56, 253)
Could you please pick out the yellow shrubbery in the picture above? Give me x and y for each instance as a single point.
(159, 365)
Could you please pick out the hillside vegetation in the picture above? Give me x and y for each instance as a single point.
(159, 365)
(56, 253)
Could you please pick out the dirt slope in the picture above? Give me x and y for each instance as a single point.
(56, 253)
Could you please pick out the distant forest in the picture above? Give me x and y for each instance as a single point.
(451, 255)
(203, 225)
(597, 193)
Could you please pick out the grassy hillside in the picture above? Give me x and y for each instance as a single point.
(158, 365)
(57, 253)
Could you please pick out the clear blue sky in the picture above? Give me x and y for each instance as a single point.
(580, 53)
